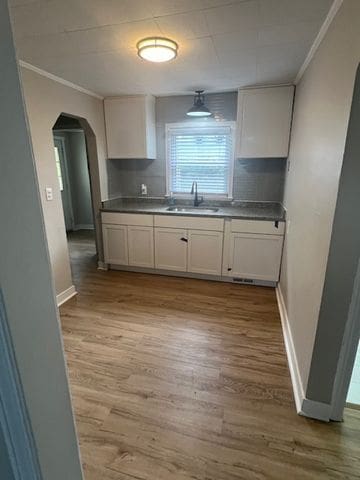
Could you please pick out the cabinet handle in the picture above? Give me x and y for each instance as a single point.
(229, 269)
(183, 239)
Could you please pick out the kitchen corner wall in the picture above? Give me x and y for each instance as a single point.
(260, 179)
(45, 100)
(320, 123)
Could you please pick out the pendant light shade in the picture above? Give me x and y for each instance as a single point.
(199, 109)
(157, 49)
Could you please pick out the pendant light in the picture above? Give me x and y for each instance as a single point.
(199, 109)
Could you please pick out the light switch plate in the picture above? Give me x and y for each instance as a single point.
(49, 193)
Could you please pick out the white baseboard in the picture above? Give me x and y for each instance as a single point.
(290, 352)
(102, 266)
(84, 226)
(304, 406)
(65, 295)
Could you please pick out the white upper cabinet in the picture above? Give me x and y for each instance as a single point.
(130, 126)
(264, 120)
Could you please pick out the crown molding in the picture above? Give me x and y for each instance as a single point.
(264, 85)
(57, 79)
(322, 32)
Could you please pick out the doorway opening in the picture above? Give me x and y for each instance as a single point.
(74, 175)
(353, 396)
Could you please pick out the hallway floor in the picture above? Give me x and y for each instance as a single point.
(179, 379)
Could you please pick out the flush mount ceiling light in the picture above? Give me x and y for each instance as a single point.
(157, 49)
(199, 109)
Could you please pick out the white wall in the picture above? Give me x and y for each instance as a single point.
(45, 100)
(322, 107)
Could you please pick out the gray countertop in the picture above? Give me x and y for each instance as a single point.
(243, 210)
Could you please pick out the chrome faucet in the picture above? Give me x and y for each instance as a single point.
(197, 199)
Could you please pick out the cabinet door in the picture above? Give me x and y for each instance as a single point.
(264, 119)
(130, 126)
(141, 246)
(115, 244)
(171, 249)
(205, 252)
(125, 127)
(255, 256)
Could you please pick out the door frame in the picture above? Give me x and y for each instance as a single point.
(14, 420)
(348, 353)
(94, 178)
(65, 175)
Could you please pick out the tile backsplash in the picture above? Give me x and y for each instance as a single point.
(260, 179)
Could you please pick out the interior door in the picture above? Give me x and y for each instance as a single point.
(64, 184)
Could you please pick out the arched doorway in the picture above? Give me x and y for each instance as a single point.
(78, 175)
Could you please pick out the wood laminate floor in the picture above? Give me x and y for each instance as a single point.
(179, 379)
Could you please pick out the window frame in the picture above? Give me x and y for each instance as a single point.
(211, 196)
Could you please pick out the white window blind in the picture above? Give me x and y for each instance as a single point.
(203, 154)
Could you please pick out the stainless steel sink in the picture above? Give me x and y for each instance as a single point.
(192, 209)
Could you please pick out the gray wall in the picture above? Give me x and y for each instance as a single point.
(26, 280)
(254, 179)
(321, 114)
(342, 266)
(79, 179)
(77, 166)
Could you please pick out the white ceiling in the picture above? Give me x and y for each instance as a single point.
(223, 44)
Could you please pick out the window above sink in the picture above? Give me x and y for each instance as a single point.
(201, 152)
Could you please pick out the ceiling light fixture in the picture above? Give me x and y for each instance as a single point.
(199, 109)
(157, 49)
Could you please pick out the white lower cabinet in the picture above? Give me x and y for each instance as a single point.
(205, 252)
(171, 249)
(115, 244)
(141, 246)
(248, 250)
(255, 256)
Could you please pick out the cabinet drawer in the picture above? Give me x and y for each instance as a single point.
(257, 226)
(127, 219)
(194, 223)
